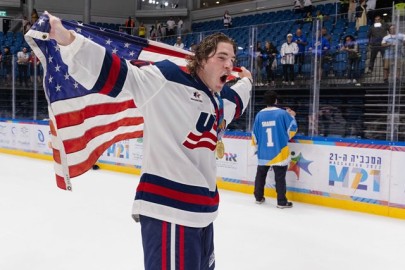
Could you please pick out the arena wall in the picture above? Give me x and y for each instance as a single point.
(357, 175)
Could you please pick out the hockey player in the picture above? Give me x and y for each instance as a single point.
(184, 114)
(272, 129)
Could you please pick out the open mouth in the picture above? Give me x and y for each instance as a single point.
(223, 78)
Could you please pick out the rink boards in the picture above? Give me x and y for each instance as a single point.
(350, 174)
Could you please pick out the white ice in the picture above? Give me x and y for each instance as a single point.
(45, 228)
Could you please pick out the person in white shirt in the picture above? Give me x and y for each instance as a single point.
(288, 51)
(393, 44)
(171, 24)
(179, 43)
(22, 62)
(227, 19)
(180, 24)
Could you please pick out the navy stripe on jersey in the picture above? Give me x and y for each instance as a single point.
(157, 189)
(173, 73)
(231, 95)
(112, 75)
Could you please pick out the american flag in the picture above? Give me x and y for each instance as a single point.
(84, 123)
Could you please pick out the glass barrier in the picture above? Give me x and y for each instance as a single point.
(349, 90)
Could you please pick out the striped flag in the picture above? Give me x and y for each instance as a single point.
(84, 123)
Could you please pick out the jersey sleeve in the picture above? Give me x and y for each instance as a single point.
(236, 99)
(101, 71)
(292, 127)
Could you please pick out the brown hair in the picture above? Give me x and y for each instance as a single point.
(205, 49)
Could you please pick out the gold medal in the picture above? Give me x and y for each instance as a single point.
(220, 149)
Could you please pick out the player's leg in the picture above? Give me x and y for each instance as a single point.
(260, 181)
(281, 186)
(168, 246)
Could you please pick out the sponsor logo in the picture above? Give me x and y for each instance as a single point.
(119, 150)
(196, 96)
(41, 137)
(3, 130)
(358, 172)
(298, 163)
(211, 260)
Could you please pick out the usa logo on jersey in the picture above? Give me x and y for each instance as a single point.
(204, 135)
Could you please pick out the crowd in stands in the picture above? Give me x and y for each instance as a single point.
(348, 44)
(155, 32)
(343, 45)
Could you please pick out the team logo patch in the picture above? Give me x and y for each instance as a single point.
(204, 134)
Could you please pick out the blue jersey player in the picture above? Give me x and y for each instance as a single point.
(272, 129)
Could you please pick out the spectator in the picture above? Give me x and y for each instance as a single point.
(298, 6)
(351, 13)
(353, 58)
(193, 47)
(301, 41)
(35, 64)
(288, 51)
(152, 33)
(227, 19)
(259, 63)
(7, 64)
(171, 24)
(26, 25)
(179, 43)
(178, 103)
(375, 35)
(393, 44)
(270, 54)
(320, 46)
(34, 16)
(326, 35)
(1, 63)
(159, 31)
(319, 15)
(307, 18)
(22, 63)
(327, 58)
(307, 6)
(344, 7)
(129, 25)
(142, 30)
(272, 129)
(180, 27)
(361, 14)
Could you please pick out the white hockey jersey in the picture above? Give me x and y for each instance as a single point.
(178, 181)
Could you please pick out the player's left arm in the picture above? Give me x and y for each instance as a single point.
(236, 99)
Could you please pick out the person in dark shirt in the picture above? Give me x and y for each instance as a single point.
(375, 35)
(7, 64)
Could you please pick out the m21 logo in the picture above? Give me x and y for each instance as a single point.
(355, 178)
(120, 150)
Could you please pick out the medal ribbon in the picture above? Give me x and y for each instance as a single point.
(220, 117)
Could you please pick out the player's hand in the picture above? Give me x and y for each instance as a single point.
(291, 112)
(245, 73)
(58, 32)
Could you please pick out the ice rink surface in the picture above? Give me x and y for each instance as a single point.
(45, 228)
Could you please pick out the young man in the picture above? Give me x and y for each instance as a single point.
(301, 41)
(393, 43)
(184, 116)
(288, 51)
(375, 35)
(272, 129)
